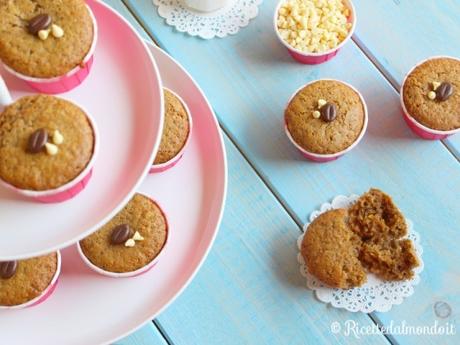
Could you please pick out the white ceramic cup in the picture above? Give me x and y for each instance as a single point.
(207, 5)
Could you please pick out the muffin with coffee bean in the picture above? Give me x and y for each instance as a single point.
(28, 281)
(431, 94)
(45, 143)
(325, 117)
(131, 241)
(45, 38)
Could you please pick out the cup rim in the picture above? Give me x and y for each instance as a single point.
(139, 271)
(403, 105)
(329, 155)
(350, 6)
(44, 292)
(50, 192)
(69, 73)
(187, 140)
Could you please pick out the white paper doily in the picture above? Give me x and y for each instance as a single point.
(226, 21)
(376, 294)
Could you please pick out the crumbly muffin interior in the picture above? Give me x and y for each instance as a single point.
(341, 245)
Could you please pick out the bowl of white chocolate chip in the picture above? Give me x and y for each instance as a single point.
(313, 31)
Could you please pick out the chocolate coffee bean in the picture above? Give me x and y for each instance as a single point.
(37, 141)
(40, 22)
(120, 234)
(328, 112)
(8, 269)
(444, 91)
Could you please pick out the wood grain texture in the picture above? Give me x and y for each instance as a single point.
(249, 291)
(397, 34)
(249, 77)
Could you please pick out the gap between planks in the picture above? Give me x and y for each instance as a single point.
(268, 185)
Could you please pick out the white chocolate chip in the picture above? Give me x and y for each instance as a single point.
(432, 95)
(316, 114)
(436, 84)
(137, 236)
(130, 243)
(57, 31)
(51, 149)
(43, 34)
(58, 138)
(321, 102)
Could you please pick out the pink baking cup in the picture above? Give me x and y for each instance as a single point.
(419, 129)
(45, 294)
(70, 189)
(316, 58)
(322, 158)
(156, 168)
(68, 81)
(141, 270)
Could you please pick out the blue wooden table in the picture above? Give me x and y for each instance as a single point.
(250, 291)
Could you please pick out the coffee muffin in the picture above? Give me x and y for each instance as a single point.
(331, 251)
(176, 128)
(325, 117)
(431, 94)
(22, 281)
(341, 245)
(131, 240)
(45, 142)
(45, 38)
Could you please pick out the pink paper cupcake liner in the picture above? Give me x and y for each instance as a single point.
(68, 81)
(45, 293)
(70, 189)
(157, 168)
(322, 158)
(141, 270)
(416, 127)
(316, 58)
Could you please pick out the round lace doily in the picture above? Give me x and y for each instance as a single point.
(226, 21)
(376, 294)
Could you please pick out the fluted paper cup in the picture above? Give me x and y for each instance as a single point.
(422, 131)
(156, 168)
(137, 272)
(71, 188)
(316, 58)
(71, 79)
(45, 293)
(322, 158)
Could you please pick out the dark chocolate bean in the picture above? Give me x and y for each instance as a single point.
(328, 112)
(444, 91)
(40, 22)
(8, 269)
(37, 141)
(120, 234)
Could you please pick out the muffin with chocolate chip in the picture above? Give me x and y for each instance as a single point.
(431, 94)
(45, 143)
(130, 242)
(176, 128)
(45, 38)
(28, 281)
(325, 117)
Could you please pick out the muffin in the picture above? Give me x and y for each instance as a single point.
(28, 282)
(326, 117)
(341, 245)
(431, 94)
(331, 251)
(45, 143)
(130, 243)
(45, 38)
(176, 131)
